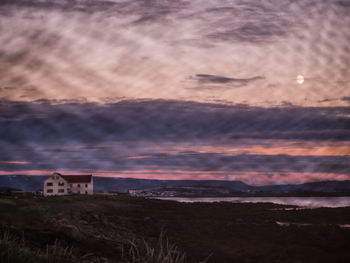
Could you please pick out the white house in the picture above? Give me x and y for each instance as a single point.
(58, 184)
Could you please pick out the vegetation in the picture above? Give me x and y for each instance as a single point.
(105, 229)
(15, 250)
(164, 252)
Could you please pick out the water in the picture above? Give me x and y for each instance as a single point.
(307, 202)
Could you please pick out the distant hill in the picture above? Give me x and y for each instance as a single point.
(22, 182)
(322, 186)
(107, 184)
(34, 183)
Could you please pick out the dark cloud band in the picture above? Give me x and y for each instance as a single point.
(80, 121)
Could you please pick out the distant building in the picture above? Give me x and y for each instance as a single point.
(58, 184)
(119, 192)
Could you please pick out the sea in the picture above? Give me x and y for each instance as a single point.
(304, 202)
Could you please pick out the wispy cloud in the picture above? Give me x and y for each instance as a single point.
(147, 10)
(345, 98)
(14, 162)
(87, 48)
(206, 78)
(345, 4)
(207, 81)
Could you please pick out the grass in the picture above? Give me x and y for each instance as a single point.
(14, 250)
(57, 253)
(164, 252)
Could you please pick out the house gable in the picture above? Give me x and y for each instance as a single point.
(55, 185)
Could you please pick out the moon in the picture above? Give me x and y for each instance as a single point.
(300, 79)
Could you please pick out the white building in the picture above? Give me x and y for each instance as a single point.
(58, 184)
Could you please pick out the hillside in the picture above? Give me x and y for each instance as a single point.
(105, 184)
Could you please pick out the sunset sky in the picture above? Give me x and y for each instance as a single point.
(197, 89)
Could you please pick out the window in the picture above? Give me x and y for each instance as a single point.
(78, 185)
(78, 192)
(86, 192)
(61, 190)
(48, 184)
(86, 185)
(49, 191)
(61, 183)
(71, 185)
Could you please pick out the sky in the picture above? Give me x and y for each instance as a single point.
(182, 89)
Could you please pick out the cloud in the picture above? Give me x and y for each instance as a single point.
(246, 21)
(118, 157)
(345, 4)
(212, 87)
(81, 47)
(148, 10)
(64, 5)
(263, 163)
(327, 100)
(260, 22)
(162, 120)
(345, 98)
(241, 21)
(7, 88)
(135, 136)
(206, 81)
(22, 92)
(205, 78)
(250, 32)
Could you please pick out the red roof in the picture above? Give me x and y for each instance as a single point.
(77, 178)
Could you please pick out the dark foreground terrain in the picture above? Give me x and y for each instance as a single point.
(101, 229)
